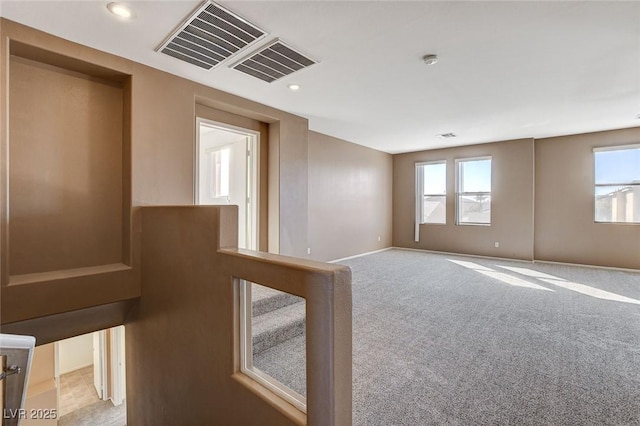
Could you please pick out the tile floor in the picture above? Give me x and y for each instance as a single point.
(76, 390)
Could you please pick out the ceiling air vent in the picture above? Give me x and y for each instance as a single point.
(273, 61)
(211, 35)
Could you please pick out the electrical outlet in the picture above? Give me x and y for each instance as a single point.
(496, 244)
(308, 250)
(379, 239)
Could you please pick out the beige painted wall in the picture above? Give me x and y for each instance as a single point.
(65, 232)
(159, 133)
(511, 209)
(163, 134)
(42, 365)
(41, 390)
(65, 164)
(564, 212)
(75, 353)
(349, 198)
(182, 339)
(158, 129)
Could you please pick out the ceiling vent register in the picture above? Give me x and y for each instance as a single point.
(273, 62)
(211, 35)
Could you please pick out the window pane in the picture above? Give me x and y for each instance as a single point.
(435, 178)
(219, 163)
(617, 166)
(434, 209)
(278, 336)
(618, 204)
(273, 340)
(474, 209)
(475, 176)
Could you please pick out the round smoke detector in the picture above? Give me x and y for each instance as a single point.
(430, 59)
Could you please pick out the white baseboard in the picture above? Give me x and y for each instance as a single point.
(610, 268)
(360, 255)
(76, 368)
(448, 253)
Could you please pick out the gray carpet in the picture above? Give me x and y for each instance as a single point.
(276, 318)
(102, 413)
(437, 342)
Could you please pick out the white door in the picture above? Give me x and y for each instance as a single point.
(100, 363)
(226, 174)
(117, 373)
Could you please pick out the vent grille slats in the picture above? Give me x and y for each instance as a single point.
(187, 40)
(275, 56)
(213, 34)
(292, 54)
(263, 69)
(188, 52)
(210, 36)
(231, 29)
(185, 58)
(256, 74)
(273, 62)
(224, 39)
(216, 10)
(205, 40)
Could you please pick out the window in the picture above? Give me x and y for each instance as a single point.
(264, 327)
(431, 193)
(473, 197)
(218, 178)
(617, 184)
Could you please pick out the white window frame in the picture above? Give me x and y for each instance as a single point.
(419, 173)
(596, 185)
(459, 193)
(246, 350)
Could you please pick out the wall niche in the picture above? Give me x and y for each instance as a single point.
(69, 165)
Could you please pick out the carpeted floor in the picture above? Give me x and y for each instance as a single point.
(486, 341)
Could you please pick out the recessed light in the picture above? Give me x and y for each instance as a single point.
(294, 87)
(430, 59)
(446, 135)
(120, 10)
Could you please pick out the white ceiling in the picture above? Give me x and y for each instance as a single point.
(507, 69)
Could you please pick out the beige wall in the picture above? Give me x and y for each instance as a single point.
(182, 339)
(65, 234)
(65, 163)
(543, 214)
(511, 209)
(158, 142)
(41, 390)
(163, 135)
(349, 198)
(75, 353)
(564, 213)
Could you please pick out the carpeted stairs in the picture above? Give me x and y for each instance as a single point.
(277, 318)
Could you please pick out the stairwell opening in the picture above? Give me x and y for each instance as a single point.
(273, 340)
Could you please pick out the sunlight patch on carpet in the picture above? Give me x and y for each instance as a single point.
(500, 276)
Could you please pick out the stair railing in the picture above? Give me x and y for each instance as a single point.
(17, 353)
